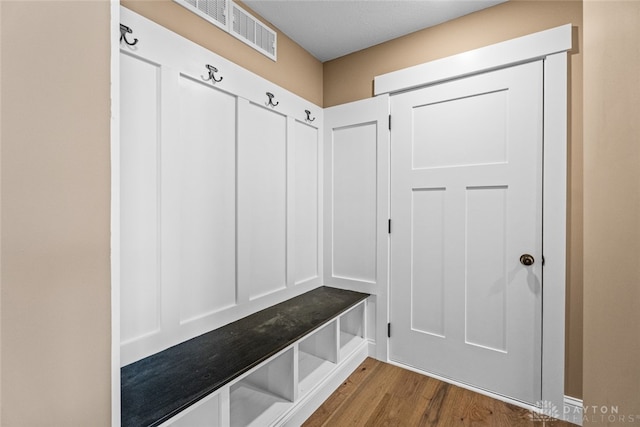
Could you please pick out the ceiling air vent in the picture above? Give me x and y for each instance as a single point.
(253, 32)
(243, 25)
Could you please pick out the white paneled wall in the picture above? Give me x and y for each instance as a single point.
(356, 189)
(354, 216)
(262, 201)
(139, 201)
(230, 204)
(356, 192)
(306, 193)
(203, 192)
(220, 194)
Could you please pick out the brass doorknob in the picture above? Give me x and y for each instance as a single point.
(527, 259)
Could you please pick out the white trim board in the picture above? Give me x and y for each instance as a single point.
(551, 46)
(573, 410)
(522, 49)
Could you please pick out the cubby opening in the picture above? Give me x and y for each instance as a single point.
(317, 356)
(204, 413)
(351, 330)
(265, 394)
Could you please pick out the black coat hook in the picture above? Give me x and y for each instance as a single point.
(270, 103)
(123, 35)
(309, 119)
(212, 71)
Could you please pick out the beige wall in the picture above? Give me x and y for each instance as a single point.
(612, 209)
(351, 78)
(54, 282)
(296, 69)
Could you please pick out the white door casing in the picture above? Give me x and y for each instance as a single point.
(466, 204)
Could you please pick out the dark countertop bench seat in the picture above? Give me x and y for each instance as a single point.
(156, 388)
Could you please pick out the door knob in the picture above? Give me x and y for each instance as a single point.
(526, 259)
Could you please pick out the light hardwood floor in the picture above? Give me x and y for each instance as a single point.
(379, 394)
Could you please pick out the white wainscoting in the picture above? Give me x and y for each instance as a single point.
(356, 193)
(306, 195)
(139, 202)
(203, 194)
(220, 193)
(262, 201)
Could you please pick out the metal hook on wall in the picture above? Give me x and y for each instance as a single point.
(123, 35)
(212, 71)
(270, 102)
(309, 119)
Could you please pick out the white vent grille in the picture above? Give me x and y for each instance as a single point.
(253, 32)
(243, 26)
(214, 8)
(214, 11)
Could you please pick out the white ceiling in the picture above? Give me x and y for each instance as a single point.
(329, 29)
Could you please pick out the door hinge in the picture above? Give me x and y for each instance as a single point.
(389, 121)
(388, 330)
(389, 226)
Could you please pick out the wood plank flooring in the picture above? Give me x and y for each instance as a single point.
(380, 394)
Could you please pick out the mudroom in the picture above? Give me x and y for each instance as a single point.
(266, 244)
(319, 213)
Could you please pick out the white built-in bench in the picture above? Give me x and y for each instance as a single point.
(274, 367)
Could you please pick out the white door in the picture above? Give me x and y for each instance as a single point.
(466, 204)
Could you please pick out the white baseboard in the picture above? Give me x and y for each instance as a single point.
(572, 411)
(372, 348)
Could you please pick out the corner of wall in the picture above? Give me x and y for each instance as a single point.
(54, 206)
(1, 242)
(611, 372)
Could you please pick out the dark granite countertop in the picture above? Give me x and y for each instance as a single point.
(158, 387)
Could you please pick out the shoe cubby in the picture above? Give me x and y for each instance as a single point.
(317, 356)
(206, 412)
(265, 394)
(352, 330)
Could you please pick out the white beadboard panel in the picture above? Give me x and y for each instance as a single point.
(428, 263)
(262, 201)
(139, 204)
(206, 199)
(499, 55)
(354, 202)
(306, 194)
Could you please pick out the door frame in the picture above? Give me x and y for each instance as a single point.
(551, 46)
